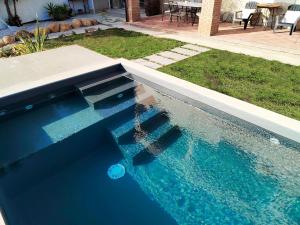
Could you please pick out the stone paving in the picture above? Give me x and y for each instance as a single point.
(158, 60)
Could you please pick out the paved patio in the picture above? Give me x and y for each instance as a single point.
(229, 32)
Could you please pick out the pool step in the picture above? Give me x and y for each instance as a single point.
(92, 85)
(96, 97)
(149, 154)
(130, 94)
(144, 128)
(120, 114)
(130, 123)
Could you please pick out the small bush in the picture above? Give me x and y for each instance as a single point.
(58, 12)
(35, 44)
(13, 50)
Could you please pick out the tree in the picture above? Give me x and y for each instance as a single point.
(13, 19)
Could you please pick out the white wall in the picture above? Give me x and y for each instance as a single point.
(27, 9)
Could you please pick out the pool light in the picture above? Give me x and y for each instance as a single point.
(28, 107)
(120, 95)
(116, 171)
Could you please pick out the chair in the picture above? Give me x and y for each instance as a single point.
(165, 9)
(249, 13)
(289, 19)
(194, 14)
(176, 11)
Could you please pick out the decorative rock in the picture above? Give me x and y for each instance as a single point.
(65, 27)
(42, 29)
(86, 22)
(8, 40)
(53, 27)
(76, 23)
(23, 34)
(2, 43)
(94, 22)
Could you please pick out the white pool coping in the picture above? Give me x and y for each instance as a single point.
(1, 219)
(29, 71)
(274, 122)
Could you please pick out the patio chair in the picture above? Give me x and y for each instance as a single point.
(249, 13)
(194, 14)
(176, 11)
(165, 9)
(289, 19)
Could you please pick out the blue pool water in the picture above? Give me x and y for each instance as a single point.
(183, 165)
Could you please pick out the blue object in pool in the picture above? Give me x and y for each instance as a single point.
(116, 171)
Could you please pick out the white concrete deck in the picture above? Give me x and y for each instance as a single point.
(1, 219)
(29, 71)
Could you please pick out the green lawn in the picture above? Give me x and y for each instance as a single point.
(117, 43)
(268, 84)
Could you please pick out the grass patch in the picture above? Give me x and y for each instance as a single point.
(117, 43)
(269, 84)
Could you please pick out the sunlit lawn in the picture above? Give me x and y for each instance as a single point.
(268, 84)
(117, 43)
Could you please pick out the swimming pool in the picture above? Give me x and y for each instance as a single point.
(184, 164)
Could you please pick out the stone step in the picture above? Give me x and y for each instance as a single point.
(196, 48)
(160, 60)
(184, 51)
(147, 63)
(173, 55)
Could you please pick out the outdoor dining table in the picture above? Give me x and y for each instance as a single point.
(185, 4)
(272, 7)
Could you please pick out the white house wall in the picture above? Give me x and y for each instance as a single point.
(27, 9)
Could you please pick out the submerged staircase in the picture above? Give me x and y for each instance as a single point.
(140, 128)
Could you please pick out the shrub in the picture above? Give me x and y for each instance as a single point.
(13, 50)
(35, 44)
(58, 12)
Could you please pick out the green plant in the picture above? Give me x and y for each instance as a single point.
(35, 44)
(58, 12)
(13, 50)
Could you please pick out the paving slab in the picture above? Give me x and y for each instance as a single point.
(195, 48)
(173, 55)
(184, 51)
(147, 63)
(160, 60)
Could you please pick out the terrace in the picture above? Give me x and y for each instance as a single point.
(232, 33)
